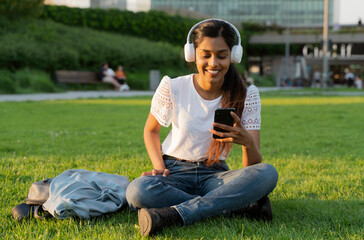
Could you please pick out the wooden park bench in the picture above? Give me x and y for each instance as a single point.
(78, 77)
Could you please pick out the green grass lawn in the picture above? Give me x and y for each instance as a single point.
(316, 144)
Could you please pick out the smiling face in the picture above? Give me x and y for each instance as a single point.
(212, 61)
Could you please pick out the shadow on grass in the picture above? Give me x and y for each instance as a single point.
(293, 218)
(347, 212)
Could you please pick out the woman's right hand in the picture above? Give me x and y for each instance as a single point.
(164, 172)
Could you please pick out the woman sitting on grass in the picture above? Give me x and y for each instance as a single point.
(191, 180)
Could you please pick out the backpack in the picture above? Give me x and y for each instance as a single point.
(38, 194)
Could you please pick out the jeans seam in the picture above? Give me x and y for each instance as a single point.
(181, 213)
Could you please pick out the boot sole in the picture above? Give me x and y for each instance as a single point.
(269, 214)
(145, 222)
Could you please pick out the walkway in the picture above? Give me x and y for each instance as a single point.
(71, 95)
(113, 94)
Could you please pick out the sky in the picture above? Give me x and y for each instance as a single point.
(351, 11)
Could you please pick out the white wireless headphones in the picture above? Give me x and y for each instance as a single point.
(236, 51)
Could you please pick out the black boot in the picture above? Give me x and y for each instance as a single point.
(260, 210)
(152, 220)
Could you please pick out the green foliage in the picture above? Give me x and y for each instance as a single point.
(20, 8)
(152, 25)
(43, 44)
(7, 84)
(253, 27)
(41, 82)
(138, 80)
(23, 78)
(317, 150)
(264, 81)
(25, 81)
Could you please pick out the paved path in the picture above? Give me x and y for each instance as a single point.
(71, 95)
(111, 94)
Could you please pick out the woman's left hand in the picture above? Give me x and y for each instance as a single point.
(237, 133)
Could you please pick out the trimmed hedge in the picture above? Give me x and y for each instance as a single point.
(14, 9)
(153, 25)
(43, 44)
(7, 83)
(25, 81)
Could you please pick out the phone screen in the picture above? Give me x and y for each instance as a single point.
(222, 115)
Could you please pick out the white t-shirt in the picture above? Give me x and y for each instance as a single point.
(110, 72)
(176, 101)
(349, 76)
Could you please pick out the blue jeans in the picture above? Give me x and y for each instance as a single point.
(198, 192)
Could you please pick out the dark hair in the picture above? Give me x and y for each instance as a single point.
(233, 88)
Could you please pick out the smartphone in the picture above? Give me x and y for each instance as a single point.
(222, 115)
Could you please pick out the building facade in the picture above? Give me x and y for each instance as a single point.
(291, 13)
(268, 12)
(118, 4)
(346, 52)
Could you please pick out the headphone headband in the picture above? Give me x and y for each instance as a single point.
(236, 50)
(216, 19)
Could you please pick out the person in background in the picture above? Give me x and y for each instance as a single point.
(359, 82)
(121, 78)
(316, 79)
(349, 77)
(107, 75)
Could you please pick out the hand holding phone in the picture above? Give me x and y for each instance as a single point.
(222, 115)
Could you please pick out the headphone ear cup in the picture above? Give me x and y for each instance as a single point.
(236, 53)
(189, 52)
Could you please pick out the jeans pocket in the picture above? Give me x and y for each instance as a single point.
(222, 166)
(169, 163)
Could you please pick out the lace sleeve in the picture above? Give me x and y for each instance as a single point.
(251, 114)
(162, 105)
